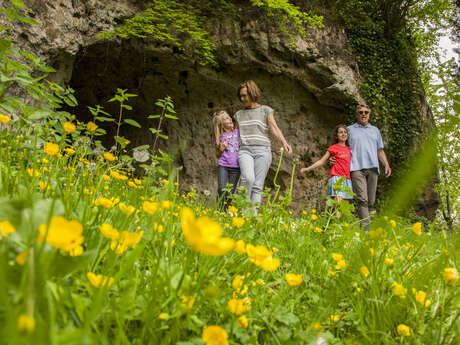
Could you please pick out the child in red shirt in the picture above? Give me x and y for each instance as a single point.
(340, 171)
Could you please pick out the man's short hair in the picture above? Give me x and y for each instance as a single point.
(359, 106)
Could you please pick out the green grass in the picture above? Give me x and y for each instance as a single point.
(157, 275)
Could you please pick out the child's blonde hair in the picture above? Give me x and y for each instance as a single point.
(217, 126)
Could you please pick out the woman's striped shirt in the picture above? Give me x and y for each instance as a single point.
(253, 126)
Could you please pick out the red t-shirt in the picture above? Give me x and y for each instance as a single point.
(342, 155)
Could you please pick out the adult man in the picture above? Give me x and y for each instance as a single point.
(366, 146)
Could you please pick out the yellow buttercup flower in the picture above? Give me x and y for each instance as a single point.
(188, 301)
(239, 306)
(331, 273)
(237, 282)
(33, 173)
(110, 157)
(107, 203)
(126, 241)
(204, 235)
(450, 275)
(158, 227)
(69, 127)
(166, 204)
(240, 247)
(242, 321)
(163, 316)
(417, 228)
(337, 257)
(21, 258)
(365, 271)
(399, 290)
(61, 233)
(237, 222)
(420, 297)
(109, 231)
(118, 176)
(6, 228)
(70, 151)
(340, 264)
(262, 257)
(91, 126)
(317, 327)
(403, 330)
(150, 207)
(389, 262)
(77, 251)
(4, 119)
(293, 279)
(99, 280)
(26, 323)
(51, 149)
(214, 335)
(232, 209)
(258, 253)
(126, 209)
(314, 217)
(335, 317)
(43, 185)
(393, 223)
(270, 264)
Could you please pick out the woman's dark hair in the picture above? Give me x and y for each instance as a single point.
(336, 131)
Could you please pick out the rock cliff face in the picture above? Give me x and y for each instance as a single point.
(308, 85)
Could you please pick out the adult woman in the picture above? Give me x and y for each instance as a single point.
(255, 154)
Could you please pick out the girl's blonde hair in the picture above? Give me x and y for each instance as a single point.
(217, 127)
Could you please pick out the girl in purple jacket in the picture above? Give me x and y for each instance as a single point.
(227, 139)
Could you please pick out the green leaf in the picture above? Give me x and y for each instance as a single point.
(171, 117)
(153, 116)
(47, 208)
(104, 119)
(142, 147)
(127, 107)
(64, 265)
(18, 3)
(39, 114)
(132, 123)
(283, 316)
(27, 20)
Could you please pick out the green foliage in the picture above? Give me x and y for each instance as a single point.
(174, 23)
(183, 25)
(286, 15)
(21, 70)
(443, 93)
(386, 37)
(161, 291)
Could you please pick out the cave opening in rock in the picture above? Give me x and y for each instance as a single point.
(153, 72)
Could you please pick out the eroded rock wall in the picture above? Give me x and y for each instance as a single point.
(308, 84)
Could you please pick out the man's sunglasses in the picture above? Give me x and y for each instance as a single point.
(361, 112)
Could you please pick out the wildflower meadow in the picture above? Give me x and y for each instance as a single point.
(97, 247)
